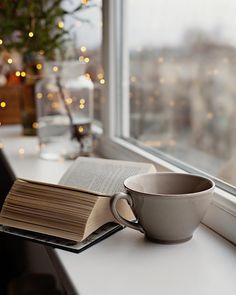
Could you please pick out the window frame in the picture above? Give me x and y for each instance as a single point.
(221, 216)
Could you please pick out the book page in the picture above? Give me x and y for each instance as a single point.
(102, 175)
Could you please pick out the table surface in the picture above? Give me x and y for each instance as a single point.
(126, 263)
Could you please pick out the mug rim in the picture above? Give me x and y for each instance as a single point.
(193, 194)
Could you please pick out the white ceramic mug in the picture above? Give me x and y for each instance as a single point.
(168, 206)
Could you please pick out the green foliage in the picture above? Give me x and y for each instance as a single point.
(41, 17)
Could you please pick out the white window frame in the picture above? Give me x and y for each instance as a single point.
(221, 216)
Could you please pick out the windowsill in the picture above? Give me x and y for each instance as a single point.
(221, 216)
(125, 263)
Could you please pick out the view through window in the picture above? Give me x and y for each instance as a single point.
(182, 63)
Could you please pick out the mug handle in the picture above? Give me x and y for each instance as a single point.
(118, 217)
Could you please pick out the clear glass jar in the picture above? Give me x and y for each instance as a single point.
(64, 101)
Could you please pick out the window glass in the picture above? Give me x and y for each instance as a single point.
(182, 71)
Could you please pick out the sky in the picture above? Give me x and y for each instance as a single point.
(160, 23)
(165, 22)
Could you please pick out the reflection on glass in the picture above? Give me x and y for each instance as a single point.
(182, 81)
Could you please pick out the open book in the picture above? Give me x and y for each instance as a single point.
(77, 210)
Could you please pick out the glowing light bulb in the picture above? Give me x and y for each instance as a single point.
(100, 76)
(23, 74)
(82, 101)
(83, 49)
(69, 100)
(60, 24)
(35, 125)
(10, 61)
(102, 81)
(55, 69)
(39, 67)
(17, 73)
(81, 106)
(31, 34)
(86, 59)
(85, 2)
(1, 41)
(81, 129)
(39, 95)
(3, 104)
(81, 58)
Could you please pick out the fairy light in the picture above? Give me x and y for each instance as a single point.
(100, 76)
(1, 41)
(81, 129)
(10, 60)
(69, 100)
(81, 58)
(82, 101)
(85, 2)
(17, 73)
(23, 74)
(81, 106)
(49, 95)
(102, 81)
(35, 125)
(87, 76)
(39, 95)
(60, 24)
(55, 69)
(39, 67)
(31, 34)
(83, 49)
(86, 59)
(3, 104)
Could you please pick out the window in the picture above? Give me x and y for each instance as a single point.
(180, 70)
(162, 103)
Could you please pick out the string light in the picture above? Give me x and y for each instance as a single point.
(1, 41)
(81, 106)
(82, 101)
(3, 104)
(102, 81)
(100, 76)
(39, 95)
(23, 74)
(55, 69)
(86, 59)
(69, 100)
(17, 73)
(81, 129)
(60, 24)
(87, 76)
(10, 61)
(35, 125)
(39, 67)
(81, 58)
(31, 34)
(83, 49)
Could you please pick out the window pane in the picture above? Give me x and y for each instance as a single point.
(182, 61)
